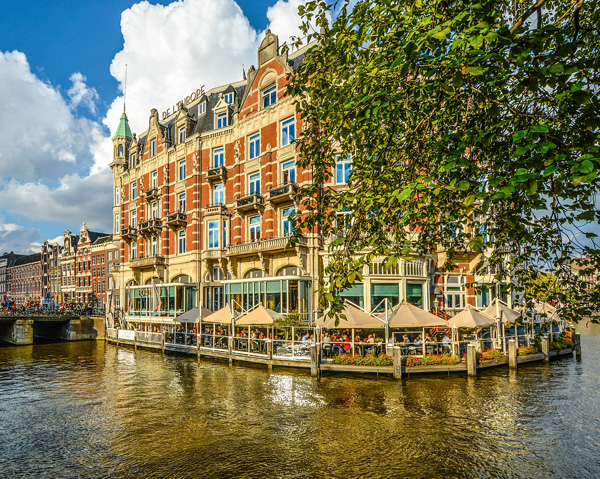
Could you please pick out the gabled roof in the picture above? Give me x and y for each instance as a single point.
(27, 259)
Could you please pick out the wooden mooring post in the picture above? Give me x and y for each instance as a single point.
(577, 343)
(546, 348)
(512, 354)
(397, 357)
(472, 359)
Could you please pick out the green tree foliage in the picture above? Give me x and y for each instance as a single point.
(472, 126)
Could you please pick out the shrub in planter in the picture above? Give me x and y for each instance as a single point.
(489, 355)
(525, 350)
(432, 360)
(367, 360)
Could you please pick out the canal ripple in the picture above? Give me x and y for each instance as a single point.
(91, 410)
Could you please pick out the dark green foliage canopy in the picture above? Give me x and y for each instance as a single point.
(472, 126)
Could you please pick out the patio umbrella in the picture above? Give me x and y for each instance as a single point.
(223, 316)
(259, 316)
(192, 316)
(471, 318)
(509, 315)
(355, 318)
(410, 316)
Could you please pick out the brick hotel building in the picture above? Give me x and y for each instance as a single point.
(202, 201)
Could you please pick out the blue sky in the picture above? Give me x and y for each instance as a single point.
(61, 76)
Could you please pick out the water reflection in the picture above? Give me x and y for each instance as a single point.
(94, 410)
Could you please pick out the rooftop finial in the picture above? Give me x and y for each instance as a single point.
(125, 89)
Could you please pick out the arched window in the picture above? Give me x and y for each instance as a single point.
(255, 273)
(289, 271)
(182, 278)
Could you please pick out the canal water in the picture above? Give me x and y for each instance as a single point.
(93, 410)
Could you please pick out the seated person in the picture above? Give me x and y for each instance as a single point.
(419, 339)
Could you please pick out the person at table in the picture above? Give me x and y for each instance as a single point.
(419, 339)
(446, 342)
(305, 338)
(427, 338)
(405, 339)
(347, 343)
(337, 345)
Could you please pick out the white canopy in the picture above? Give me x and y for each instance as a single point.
(509, 315)
(355, 318)
(471, 318)
(192, 316)
(410, 316)
(259, 316)
(223, 316)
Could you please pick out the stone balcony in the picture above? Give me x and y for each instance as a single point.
(213, 254)
(263, 246)
(216, 210)
(176, 220)
(216, 173)
(148, 262)
(129, 233)
(249, 203)
(150, 227)
(282, 193)
(152, 194)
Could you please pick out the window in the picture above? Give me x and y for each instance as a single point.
(218, 157)
(153, 148)
(202, 108)
(102, 258)
(182, 134)
(254, 184)
(94, 260)
(228, 98)
(181, 203)
(121, 150)
(133, 160)
(154, 246)
(254, 223)
(288, 172)
(287, 223)
(154, 179)
(133, 222)
(181, 242)
(269, 96)
(181, 170)
(288, 131)
(343, 167)
(133, 250)
(117, 196)
(225, 235)
(454, 292)
(222, 120)
(218, 194)
(134, 190)
(382, 291)
(254, 146)
(213, 234)
(117, 224)
(154, 210)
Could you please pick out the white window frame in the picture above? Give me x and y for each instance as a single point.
(133, 250)
(452, 297)
(291, 177)
(154, 179)
(134, 190)
(181, 239)
(287, 226)
(182, 134)
(343, 164)
(254, 228)
(218, 156)
(153, 148)
(133, 218)
(228, 98)
(254, 183)
(181, 169)
(218, 195)
(288, 131)
(269, 96)
(154, 210)
(117, 227)
(254, 146)
(213, 233)
(222, 119)
(117, 196)
(181, 206)
(202, 108)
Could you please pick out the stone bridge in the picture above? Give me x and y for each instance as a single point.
(20, 329)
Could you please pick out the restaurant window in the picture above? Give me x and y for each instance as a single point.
(218, 157)
(222, 120)
(181, 203)
(254, 146)
(181, 242)
(254, 228)
(354, 293)
(286, 223)
(343, 167)
(288, 172)
(182, 173)
(414, 294)
(213, 234)
(382, 291)
(288, 131)
(218, 194)
(269, 96)
(254, 183)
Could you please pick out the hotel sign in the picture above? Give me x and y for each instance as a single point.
(188, 99)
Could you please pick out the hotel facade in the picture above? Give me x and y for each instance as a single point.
(202, 205)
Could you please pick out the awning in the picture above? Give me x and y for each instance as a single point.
(259, 316)
(410, 316)
(355, 318)
(223, 316)
(509, 315)
(543, 312)
(472, 319)
(192, 316)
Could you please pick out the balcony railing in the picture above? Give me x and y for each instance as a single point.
(148, 262)
(150, 226)
(113, 267)
(281, 193)
(152, 194)
(263, 245)
(216, 173)
(250, 202)
(177, 220)
(129, 233)
(213, 210)
(213, 254)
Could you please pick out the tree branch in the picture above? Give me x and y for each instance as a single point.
(526, 15)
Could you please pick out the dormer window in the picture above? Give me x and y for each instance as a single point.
(153, 148)
(202, 108)
(269, 96)
(222, 120)
(228, 98)
(182, 134)
(133, 160)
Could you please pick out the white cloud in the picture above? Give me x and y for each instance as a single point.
(284, 20)
(81, 94)
(18, 239)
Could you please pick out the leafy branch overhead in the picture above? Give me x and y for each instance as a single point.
(472, 127)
